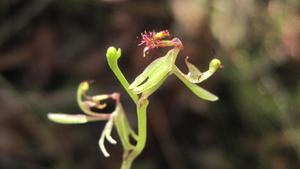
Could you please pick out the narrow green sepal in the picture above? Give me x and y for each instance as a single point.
(68, 118)
(123, 128)
(154, 74)
(197, 90)
(154, 79)
(151, 68)
(201, 93)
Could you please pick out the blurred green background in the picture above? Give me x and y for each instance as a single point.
(48, 47)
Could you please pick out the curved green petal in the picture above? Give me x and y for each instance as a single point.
(194, 73)
(148, 70)
(153, 76)
(197, 90)
(154, 79)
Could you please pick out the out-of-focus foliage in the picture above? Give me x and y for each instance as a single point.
(48, 47)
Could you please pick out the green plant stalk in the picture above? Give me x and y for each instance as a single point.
(123, 129)
(142, 135)
(113, 64)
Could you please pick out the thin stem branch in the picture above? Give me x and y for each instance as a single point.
(128, 158)
(130, 155)
(113, 64)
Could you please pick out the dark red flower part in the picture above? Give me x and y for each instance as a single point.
(154, 39)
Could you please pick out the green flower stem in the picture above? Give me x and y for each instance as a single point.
(128, 158)
(122, 130)
(124, 82)
(112, 60)
(129, 155)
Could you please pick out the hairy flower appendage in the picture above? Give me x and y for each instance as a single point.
(139, 90)
(153, 40)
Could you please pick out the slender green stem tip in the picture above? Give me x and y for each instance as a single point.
(112, 52)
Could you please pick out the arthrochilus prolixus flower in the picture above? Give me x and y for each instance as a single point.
(139, 90)
(156, 72)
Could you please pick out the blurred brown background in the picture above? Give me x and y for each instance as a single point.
(48, 46)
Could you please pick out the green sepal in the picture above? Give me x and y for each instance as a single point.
(154, 79)
(69, 118)
(197, 90)
(154, 74)
(150, 69)
(201, 93)
(122, 127)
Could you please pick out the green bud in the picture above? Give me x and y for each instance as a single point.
(113, 53)
(214, 64)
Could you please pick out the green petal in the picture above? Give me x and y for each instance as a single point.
(194, 73)
(200, 92)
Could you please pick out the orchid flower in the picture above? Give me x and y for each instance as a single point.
(157, 72)
(139, 90)
(88, 103)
